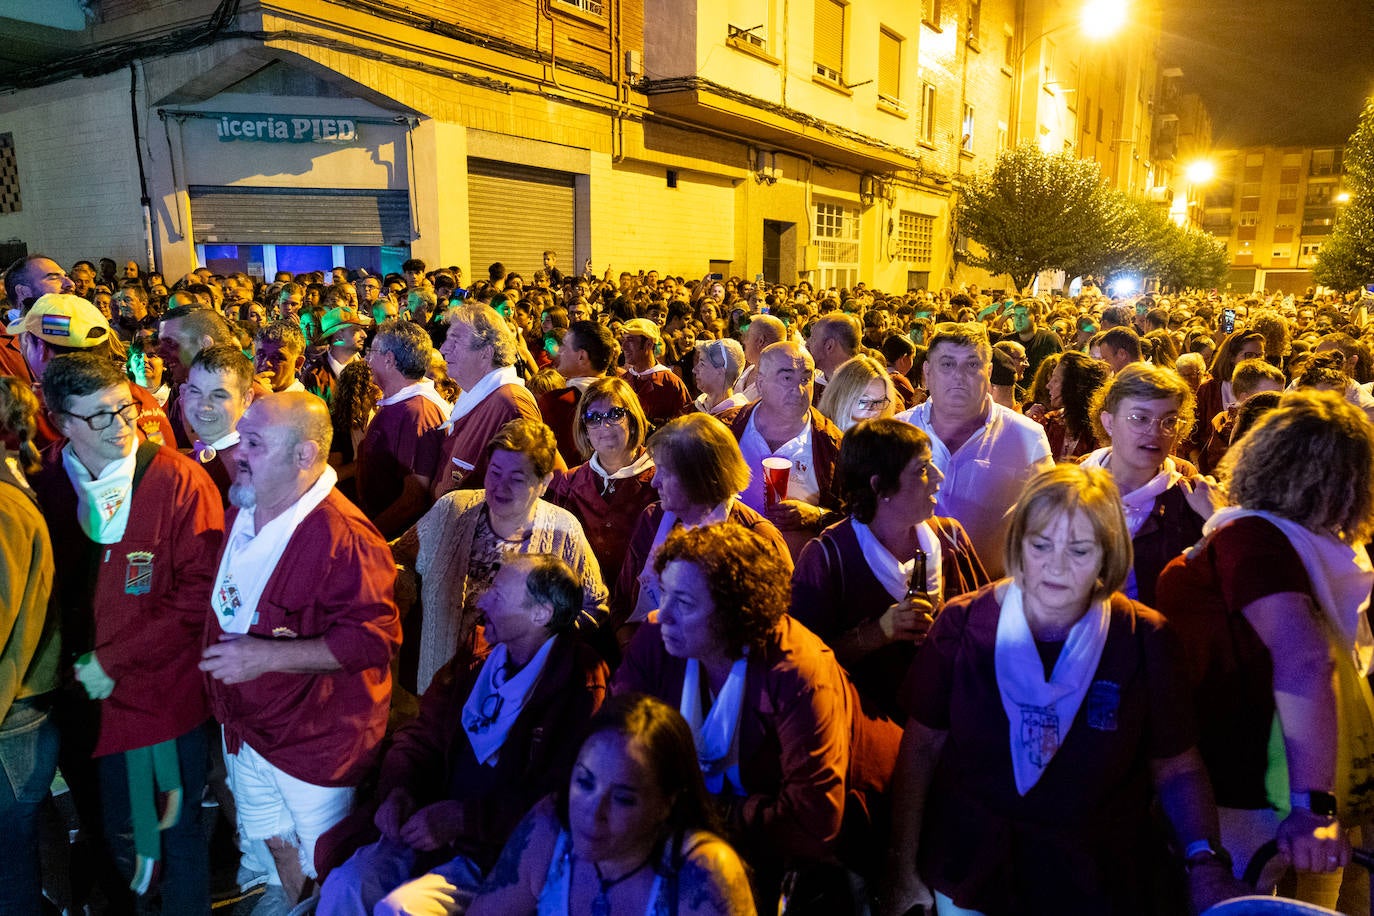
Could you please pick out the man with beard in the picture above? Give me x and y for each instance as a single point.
(304, 628)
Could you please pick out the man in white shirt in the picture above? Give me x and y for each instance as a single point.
(783, 424)
(986, 452)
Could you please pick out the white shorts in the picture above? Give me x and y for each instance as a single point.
(273, 804)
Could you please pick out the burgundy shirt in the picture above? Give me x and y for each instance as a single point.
(335, 582)
(607, 517)
(466, 440)
(392, 449)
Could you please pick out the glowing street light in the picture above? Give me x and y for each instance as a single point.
(1343, 197)
(1103, 18)
(1200, 171)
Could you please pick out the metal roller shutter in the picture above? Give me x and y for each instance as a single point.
(515, 213)
(830, 35)
(314, 216)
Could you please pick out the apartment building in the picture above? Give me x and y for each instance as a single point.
(1275, 207)
(817, 139)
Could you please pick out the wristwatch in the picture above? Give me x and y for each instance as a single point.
(1205, 852)
(1321, 803)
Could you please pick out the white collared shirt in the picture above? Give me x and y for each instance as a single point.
(984, 478)
(801, 482)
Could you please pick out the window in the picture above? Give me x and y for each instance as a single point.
(587, 6)
(1008, 47)
(966, 128)
(930, 13)
(837, 243)
(1002, 136)
(1249, 220)
(927, 113)
(1254, 159)
(915, 235)
(1047, 63)
(829, 51)
(1099, 125)
(975, 22)
(751, 37)
(889, 68)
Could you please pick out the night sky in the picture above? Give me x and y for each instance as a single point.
(1274, 71)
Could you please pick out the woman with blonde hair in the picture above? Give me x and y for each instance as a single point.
(860, 390)
(1272, 610)
(1046, 712)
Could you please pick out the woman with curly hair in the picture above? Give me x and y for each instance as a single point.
(1074, 380)
(781, 735)
(355, 401)
(1271, 606)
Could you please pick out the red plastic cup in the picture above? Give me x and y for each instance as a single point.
(776, 472)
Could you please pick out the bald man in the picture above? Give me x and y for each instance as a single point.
(304, 628)
(763, 331)
(783, 424)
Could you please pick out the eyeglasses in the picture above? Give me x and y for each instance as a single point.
(615, 415)
(101, 420)
(873, 403)
(1167, 425)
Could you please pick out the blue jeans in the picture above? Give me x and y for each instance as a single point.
(185, 881)
(28, 760)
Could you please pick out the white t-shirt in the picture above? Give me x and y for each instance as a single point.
(984, 478)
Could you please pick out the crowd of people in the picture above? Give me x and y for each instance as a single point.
(624, 593)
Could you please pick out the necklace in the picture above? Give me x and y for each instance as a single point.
(601, 903)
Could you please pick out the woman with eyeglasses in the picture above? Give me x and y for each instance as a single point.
(610, 490)
(718, 367)
(1141, 414)
(861, 390)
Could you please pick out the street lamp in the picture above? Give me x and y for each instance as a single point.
(1097, 20)
(1200, 171)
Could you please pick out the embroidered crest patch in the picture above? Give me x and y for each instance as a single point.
(1039, 733)
(138, 575)
(1104, 700)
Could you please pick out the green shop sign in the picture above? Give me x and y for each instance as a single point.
(285, 129)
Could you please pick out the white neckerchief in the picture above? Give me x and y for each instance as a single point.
(469, 399)
(1341, 576)
(1040, 713)
(641, 464)
(103, 502)
(421, 388)
(250, 557)
(656, 367)
(296, 385)
(735, 400)
(496, 700)
(650, 591)
(162, 394)
(715, 732)
(1140, 502)
(895, 577)
(1228, 397)
(582, 382)
(337, 367)
(206, 452)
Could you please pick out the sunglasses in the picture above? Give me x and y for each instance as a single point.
(594, 420)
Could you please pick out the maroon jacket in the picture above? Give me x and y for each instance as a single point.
(467, 439)
(141, 603)
(810, 758)
(607, 518)
(335, 582)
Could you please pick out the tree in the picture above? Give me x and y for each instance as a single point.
(1034, 212)
(1346, 261)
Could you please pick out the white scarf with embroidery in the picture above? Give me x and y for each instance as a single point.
(715, 731)
(1341, 577)
(1041, 712)
(102, 503)
(496, 700)
(641, 464)
(894, 576)
(250, 557)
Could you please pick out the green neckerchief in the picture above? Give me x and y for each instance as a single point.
(152, 770)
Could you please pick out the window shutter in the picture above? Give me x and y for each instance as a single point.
(830, 35)
(889, 66)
